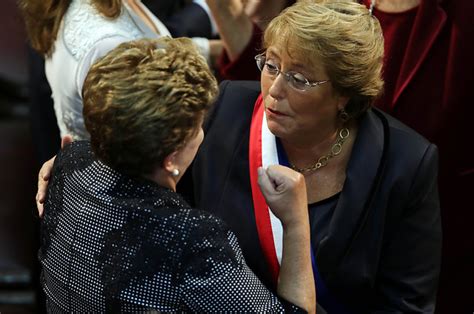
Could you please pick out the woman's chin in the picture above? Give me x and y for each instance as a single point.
(276, 128)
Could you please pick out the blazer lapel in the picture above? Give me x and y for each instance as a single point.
(362, 179)
(428, 24)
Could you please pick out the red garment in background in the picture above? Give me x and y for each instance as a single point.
(429, 77)
(244, 67)
(396, 31)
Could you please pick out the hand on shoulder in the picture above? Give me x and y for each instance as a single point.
(43, 178)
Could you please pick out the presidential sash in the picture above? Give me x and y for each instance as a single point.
(263, 153)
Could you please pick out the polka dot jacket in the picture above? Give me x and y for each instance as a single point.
(111, 243)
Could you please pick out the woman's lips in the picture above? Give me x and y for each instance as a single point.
(275, 112)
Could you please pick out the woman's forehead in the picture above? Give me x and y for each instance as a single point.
(296, 57)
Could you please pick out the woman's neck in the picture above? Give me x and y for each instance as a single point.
(162, 178)
(306, 155)
(302, 152)
(395, 6)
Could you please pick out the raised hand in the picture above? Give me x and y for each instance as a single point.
(285, 192)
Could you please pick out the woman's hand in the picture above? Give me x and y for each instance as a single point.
(261, 12)
(44, 175)
(285, 192)
(43, 179)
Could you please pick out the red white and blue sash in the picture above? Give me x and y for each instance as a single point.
(263, 153)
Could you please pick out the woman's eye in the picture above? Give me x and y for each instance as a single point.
(271, 67)
(299, 78)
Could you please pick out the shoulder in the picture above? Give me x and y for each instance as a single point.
(388, 150)
(165, 205)
(187, 230)
(84, 27)
(206, 222)
(209, 240)
(172, 212)
(202, 225)
(394, 137)
(240, 90)
(235, 102)
(74, 156)
(402, 139)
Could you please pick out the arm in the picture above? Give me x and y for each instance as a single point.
(235, 18)
(236, 62)
(230, 16)
(411, 256)
(285, 193)
(243, 67)
(261, 12)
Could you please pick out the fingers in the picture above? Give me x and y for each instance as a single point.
(44, 175)
(43, 178)
(266, 186)
(67, 139)
(39, 207)
(276, 174)
(284, 178)
(278, 180)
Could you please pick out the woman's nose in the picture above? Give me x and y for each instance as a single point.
(278, 88)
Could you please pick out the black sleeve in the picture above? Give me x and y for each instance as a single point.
(216, 278)
(411, 259)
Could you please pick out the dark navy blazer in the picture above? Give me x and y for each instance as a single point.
(382, 250)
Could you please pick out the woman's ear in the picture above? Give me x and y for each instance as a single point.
(342, 102)
(170, 162)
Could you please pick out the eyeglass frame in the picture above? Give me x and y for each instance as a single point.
(288, 75)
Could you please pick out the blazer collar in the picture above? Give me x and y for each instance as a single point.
(362, 179)
(430, 20)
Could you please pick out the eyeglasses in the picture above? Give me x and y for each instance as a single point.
(295, 80)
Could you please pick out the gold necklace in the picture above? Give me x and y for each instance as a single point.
(323, 160)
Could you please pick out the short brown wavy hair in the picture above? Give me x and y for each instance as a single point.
(345, 36)
(144, 99)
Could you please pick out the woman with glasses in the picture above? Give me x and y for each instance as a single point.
(371, 181)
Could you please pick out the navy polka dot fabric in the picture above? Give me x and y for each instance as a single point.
(111, 243)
